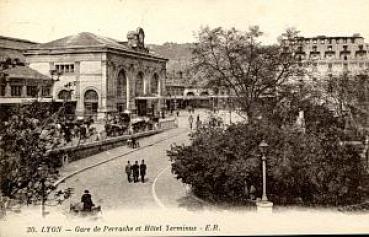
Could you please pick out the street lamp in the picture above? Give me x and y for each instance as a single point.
(43, 171)
(263, 148)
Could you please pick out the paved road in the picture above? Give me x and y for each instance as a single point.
(108, 183)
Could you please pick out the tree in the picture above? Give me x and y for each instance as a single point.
(306, 168)
(238, 60)
(22, 151)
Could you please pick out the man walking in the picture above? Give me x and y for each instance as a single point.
(135, 171)
(143, 171)
(190, 120)
(128, 171)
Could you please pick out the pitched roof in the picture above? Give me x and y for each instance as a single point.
(84, 39)
(24, 72)
(88, 40)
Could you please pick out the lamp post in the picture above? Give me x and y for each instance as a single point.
(263, 148)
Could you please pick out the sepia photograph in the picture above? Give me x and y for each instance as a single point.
(184, 118)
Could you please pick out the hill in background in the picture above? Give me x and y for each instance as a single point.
(179, 56)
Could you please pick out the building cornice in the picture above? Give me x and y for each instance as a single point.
(92, 49)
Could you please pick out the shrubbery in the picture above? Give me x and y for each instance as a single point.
(309, 168)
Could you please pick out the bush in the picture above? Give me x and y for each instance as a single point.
(311, 167)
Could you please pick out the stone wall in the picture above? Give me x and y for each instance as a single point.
(72, 153)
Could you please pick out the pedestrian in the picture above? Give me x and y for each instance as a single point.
(83, 132)
(252, 192)
(198, 122)
(128, 170)
(143, 171)
(135, 171)
(190, 120)
(86, 199)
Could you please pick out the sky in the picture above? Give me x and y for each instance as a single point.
(179, 20)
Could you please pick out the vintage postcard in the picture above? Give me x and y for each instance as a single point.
(184, 118)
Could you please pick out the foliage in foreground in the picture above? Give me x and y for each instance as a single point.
(22, 152)
(306, 168)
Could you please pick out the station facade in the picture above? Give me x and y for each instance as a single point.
(102, 76)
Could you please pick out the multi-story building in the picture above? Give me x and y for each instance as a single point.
(332, 56)
(103, 76)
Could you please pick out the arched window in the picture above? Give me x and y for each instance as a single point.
(121, 91)
(204, 93)
(65, 95)
(122, 84)
(155, 85)
(91, 103)
(139, 84)
(190, 94)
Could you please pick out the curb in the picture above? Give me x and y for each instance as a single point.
(110, 159)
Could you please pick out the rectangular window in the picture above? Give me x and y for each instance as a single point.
(314, 41)
(329, 41)
(65, 68)
(2, 90)
(16, 91)
(329, 47)
(32, 91)
(322, 41)
(46, 91)
(345, 48)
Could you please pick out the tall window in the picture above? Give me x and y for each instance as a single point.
(139, 84)
(46, 91)
(16, 91)
(122, 85)
(2, 90)
(121, 91)
(154, 84)
(32, 91)
(91, 103)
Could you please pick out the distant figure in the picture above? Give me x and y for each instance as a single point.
(128, 170)
(143, 171)
(83, 132)
(190, 120)
(252, 192)
(135, 171)
(198, 122)
(87, 201)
